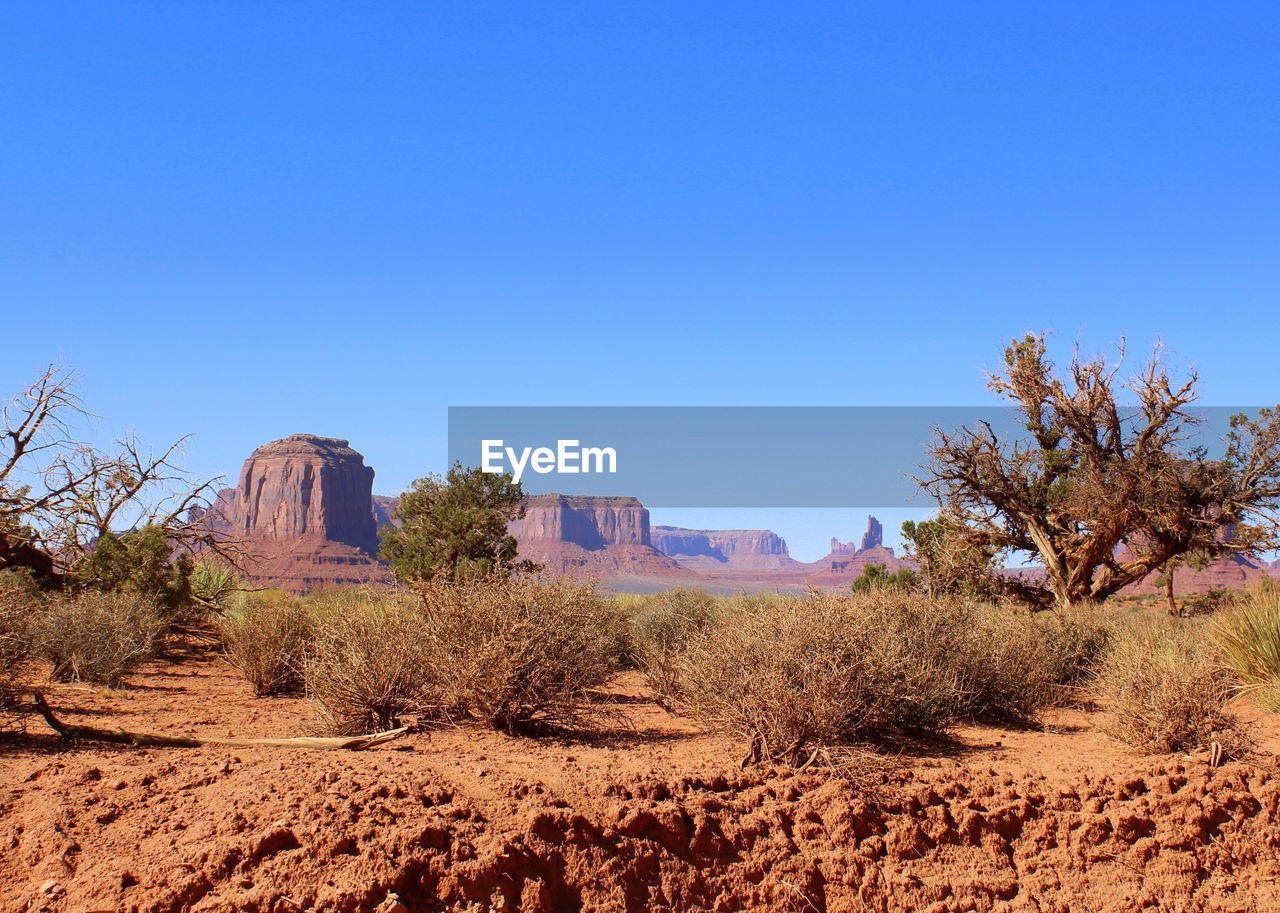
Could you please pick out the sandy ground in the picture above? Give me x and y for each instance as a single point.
(653, 816)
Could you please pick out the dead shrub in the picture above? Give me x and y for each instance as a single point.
(19, 600)
(661, 629)
(522, 654)
(97, 637)
(1165, 691)
(792, 673)
(1006, 667)
(667, 619)
(368, 665)
(267, 641)
(1076, 640)
(1011, 664)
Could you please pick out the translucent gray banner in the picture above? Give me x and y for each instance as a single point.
(768, 456)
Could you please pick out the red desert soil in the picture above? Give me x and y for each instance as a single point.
(656, 817)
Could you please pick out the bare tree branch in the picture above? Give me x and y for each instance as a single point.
(60, 495)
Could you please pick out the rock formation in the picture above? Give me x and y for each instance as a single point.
(843, 548)
(590, 522)
(303, 514)
(840, 568)
(607, 537)
(872, 538)
(874, 535)
(383, 505)
(736, 559)
(305, 486)
(710, 549)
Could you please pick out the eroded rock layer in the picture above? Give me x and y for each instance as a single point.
(601, 536)
(718, 548)
(306, 486)
(303, 515)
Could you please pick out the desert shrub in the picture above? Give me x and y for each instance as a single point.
(19, 599)
(792, 673)
(1076, 640)
(667, 619)
(1249, 638)
(522, 654)
(140, 562)
(875, 577)
(217, 588)
(1006, 668)
(1005, 663)
(368, 665)
(1208, 603)
(98, 637)
(661, 628)
(1165, 691)
(1012, 665)
(267, 641)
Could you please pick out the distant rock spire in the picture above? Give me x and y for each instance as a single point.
(873, 536)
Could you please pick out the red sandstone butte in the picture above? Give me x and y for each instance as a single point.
(606, 537)
(303, 512)
(717, 549)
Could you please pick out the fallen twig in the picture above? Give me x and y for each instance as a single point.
(154, 740)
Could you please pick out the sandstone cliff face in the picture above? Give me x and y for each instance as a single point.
(709, 548)
(606, 537)
(305, 486)
(589, 522)
(303, 513)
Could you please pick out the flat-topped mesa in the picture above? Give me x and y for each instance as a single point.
(305, 487)
(756, 548)
(603, 537)
(589, 522)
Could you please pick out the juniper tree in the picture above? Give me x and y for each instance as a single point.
(1102, 490)
(454, 526)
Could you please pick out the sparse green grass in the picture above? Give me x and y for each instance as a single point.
(1249, 637)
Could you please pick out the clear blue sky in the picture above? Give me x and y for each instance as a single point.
(249, 219)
